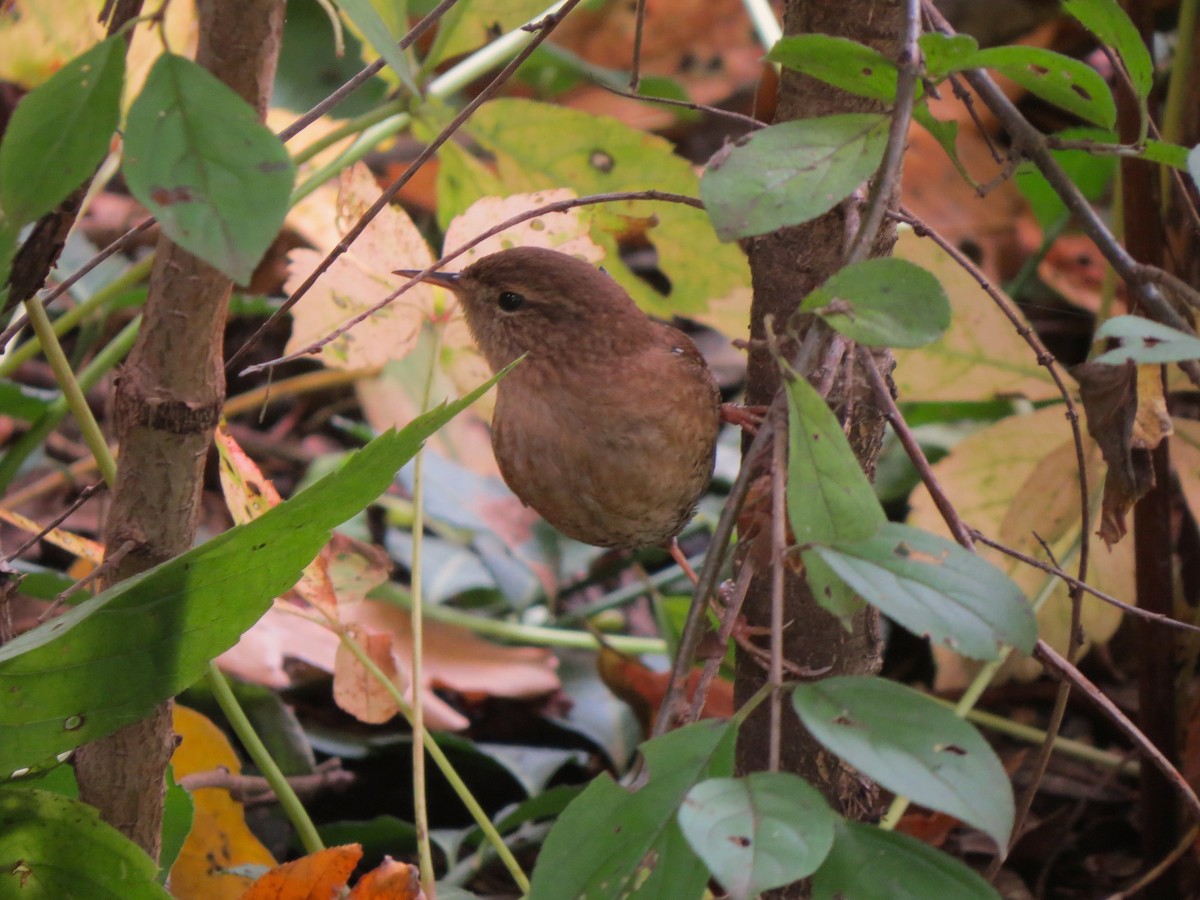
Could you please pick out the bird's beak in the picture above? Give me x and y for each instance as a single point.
(447, 280)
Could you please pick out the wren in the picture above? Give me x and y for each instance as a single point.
(608, 427)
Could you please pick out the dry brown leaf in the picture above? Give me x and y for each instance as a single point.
(360, 278)
(1111, 399)
(358, 691)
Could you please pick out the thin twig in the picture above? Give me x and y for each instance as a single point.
(84, 496)
(1074, 582)
(740, 118)
(543, 30)
(639, 26)
(1063, 669)
(1160, 867)
(778, 565)
(254, 789)
(559, 206)
(733, 608)
(883, 187)
(1032, 144)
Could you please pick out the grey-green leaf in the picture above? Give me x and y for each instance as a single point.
(790, 173)
(54, 846)
(109, 660)
(1109, 22)
(884, 302)
(1065, 82)
(197, 156)
(60, 132)
(868, 863)
(911, 745)
(934, 587)
(828, 495)
(634, 846)
(844, 63)
(759, 832)
(1146, 342)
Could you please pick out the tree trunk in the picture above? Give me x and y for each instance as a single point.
(785, 266)
(167, 401)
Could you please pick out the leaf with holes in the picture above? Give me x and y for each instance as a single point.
(884, 302)
(197, 156)
(60, 132)
(1109, 22)
(844, 63)
(911, 745)
(868, 863)
(790, 173)
(759, 832)
(1145, 342)
(1058, 79)
(934, 587)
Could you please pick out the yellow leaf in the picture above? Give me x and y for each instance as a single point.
(219, 839)
(980, 356)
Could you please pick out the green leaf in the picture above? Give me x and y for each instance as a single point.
(790, 173)
(376, 33)
(912, 746)
(828, 495)
(1058, 79)
(52, 846)
(109, 660)
(1092, 173)
(936, 588)
(1112, 25)
(197, 156)
(844, 63)
(884, 302)
(868, 863)
(468, 25)
(61, 132)
(178, 813)
(1146, 342)
(945, 54)
(539, 145)
(24, 402)
(759, 832)
(610, 842)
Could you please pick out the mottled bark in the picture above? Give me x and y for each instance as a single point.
(167, 400)
(785, 266)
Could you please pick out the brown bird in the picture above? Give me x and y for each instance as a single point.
(608, 428)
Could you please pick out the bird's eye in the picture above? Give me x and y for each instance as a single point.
(511, 301)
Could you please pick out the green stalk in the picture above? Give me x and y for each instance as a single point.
(439, 758)
(113, 353)
(261, 757)
(517, 633)
(420, 805)
(72, 393)
(73, 316)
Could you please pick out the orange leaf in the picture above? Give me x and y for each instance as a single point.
(391, 881)
(643, 689)
(318, 876)
(219, 839)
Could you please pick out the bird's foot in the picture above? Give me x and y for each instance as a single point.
(748, 418)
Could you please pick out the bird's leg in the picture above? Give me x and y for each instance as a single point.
(682, 561)
(745, 417)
